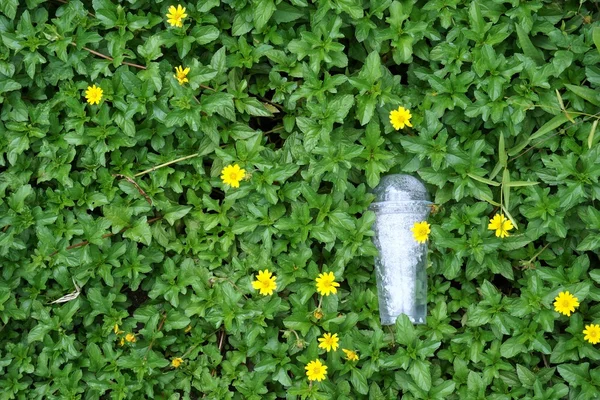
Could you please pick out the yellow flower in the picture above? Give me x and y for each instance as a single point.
(592, 333)
(117, 330)
(175, 16)
(130, 337)
(421, 231)
(181, 74)
(316, 371)
(565, 303)
(501, 225)
(329, 342)
(188, 328)
(176, 362)
(122, 341)
(93, 94)
(232, 175)
(400, 117)
(350, 355)
(326, 284)
(265, 282)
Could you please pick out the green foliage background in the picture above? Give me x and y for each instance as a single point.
(298, 93)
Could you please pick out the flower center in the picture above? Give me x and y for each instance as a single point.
(233, 176)
(316, 370)
(566, 303)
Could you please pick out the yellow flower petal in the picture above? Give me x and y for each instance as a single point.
(326, 284)
(316, 371)
(400, 118)
(501, 225)
(265, 282)
(592, 333)
(350, 355)
(232, 175)
(565, 303)
(329, 342)
(421, 231)
(93, 94)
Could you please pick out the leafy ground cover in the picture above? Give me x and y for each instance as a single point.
(184, 194)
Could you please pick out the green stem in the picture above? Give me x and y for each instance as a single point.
(166, 164)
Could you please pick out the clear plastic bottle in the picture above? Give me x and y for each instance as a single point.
(400, 202)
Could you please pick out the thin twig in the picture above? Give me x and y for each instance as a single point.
(545, 361)
(273, 130)
(109, 58)
(134, 183)
(221, 339)
(271, 103)
(208, 88)
(166, 164)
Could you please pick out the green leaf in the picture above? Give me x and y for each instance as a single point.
(590, 140)
(443, 390)
(575, 374)
(520, 183)
(262, 10)
(511, 347)
(484, 180)
(359, 381)
(596, 37)
(554, 123)
(527, 46)
(587, 94)
(405, 331)
(175, 213)
(502, 151)
(9, 8)
(254, 107)
(526, 377)
(140, 232)
(419, 371)
(205, 34)
(219, 103)
(176, 320)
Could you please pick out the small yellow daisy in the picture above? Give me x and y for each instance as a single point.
(93, 94)
(501, 225)
(592, 333)
(265, 282)
(565, 303)
(130, 337)
(350, 355)
(175, 16)
(232, 175)
(316, 371)
(181, 74)
(421, 231)
(176, 362)
(400, 117)
(326, 284)
(117, 330)
(329, 342)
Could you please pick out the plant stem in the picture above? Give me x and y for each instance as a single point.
(94, 52)
(165, 164)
